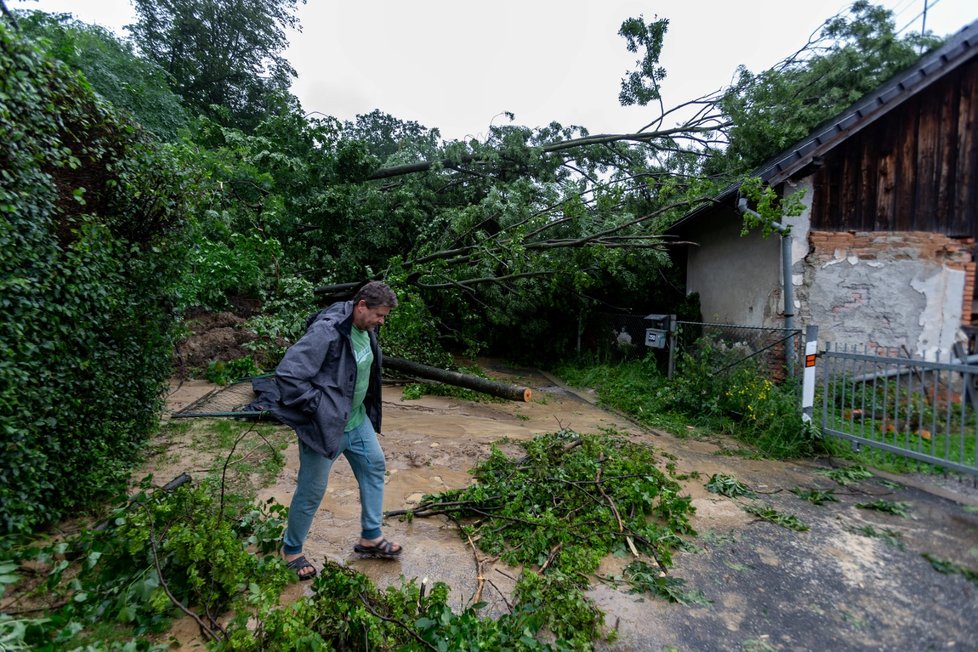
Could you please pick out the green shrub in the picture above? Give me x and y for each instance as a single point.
(91, 217)
(225, 373)
(285, 310)
(241, 263)
(739, 401)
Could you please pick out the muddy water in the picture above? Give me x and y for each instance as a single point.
(831, 587)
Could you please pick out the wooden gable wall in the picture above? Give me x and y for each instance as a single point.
(916, 169)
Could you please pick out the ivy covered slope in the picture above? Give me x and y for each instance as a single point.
(92, 214)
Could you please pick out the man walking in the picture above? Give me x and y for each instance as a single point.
(329, 391)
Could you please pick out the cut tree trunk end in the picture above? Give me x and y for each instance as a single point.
(491, 387)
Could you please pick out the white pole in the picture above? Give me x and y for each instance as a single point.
(808, 379)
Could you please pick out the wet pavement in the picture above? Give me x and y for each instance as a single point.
(856, 580)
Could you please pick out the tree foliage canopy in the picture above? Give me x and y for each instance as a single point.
(641, 86)
(224, 56)
(132, 84)
(850, 55)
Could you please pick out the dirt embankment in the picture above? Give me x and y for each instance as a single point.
(856, 580)
(216, 336)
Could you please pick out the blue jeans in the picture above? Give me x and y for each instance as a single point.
(362, 451)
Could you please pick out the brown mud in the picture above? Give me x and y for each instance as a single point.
(832, 587)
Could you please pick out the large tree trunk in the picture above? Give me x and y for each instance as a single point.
(491, 387)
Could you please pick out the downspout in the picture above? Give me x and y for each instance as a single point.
(789, 293)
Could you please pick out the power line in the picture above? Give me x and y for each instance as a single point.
(927, 6)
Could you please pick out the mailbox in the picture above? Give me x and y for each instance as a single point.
(657, 333)
(655, 338)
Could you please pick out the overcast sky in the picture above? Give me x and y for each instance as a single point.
(459, 64)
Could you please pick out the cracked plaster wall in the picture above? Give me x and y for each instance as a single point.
(903, 290)
(881, 289)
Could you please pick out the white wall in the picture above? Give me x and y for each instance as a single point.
(738, 278)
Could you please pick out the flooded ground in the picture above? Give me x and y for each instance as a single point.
(856, 580)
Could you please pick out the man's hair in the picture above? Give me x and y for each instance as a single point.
(376, 294)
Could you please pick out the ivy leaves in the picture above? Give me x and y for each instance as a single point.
(81, 374)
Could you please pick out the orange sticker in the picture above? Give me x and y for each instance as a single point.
(810, 360)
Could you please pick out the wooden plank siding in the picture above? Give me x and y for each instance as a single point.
(916, 169)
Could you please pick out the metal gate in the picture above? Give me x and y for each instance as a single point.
(909, 407)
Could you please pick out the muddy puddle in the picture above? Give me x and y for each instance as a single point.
(839, 585)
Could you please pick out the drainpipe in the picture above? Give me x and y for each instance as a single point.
(789, 293)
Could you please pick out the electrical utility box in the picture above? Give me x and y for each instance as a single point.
(657, 332)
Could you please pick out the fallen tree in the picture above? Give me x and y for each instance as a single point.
(484, 385)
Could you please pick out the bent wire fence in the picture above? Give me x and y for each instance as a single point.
(901, 405)
(227, 401)
(776, 352)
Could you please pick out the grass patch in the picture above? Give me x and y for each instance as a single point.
(901, 413)
(739, 402)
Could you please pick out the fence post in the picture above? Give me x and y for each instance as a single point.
(673, 326)
(808, 377)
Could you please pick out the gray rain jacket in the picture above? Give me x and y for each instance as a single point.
(314, 382)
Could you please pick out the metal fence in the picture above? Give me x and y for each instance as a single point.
(774, 352)
(923, 410)
(226, 401)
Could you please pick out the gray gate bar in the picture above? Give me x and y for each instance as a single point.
(914, 408)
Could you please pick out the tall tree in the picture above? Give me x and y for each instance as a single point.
(225, 56)
(392, 140)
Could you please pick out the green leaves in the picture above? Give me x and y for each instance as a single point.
(772, 515)
(8, 576)
(728, 486)
(109, 575)
(643, 578)
(815, 496)
(641, 86)
(946, 567)
(568, 502)
(897, 508)
(847, 475)
(224, 57)
(85, 267)
(768, 209)
(852, 54)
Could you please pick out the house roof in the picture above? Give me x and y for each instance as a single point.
(929, 68)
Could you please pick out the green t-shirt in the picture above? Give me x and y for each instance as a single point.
(365, 358)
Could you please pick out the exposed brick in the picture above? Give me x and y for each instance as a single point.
(956, 253)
